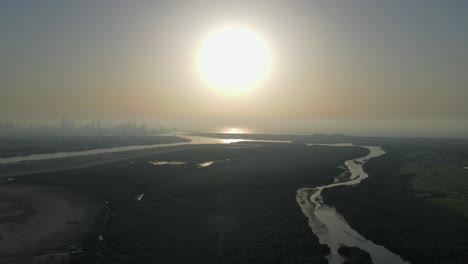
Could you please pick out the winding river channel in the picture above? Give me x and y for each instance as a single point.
(329, 226)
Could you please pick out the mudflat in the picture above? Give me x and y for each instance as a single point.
(41, 223)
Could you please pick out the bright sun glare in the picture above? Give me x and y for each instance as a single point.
(234, 130)
(234, 58)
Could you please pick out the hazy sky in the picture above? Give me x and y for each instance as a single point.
(361, 67)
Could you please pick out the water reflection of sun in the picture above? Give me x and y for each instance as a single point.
(234, 130)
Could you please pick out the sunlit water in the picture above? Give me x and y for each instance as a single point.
(205, 164)
(194, 140)
(330, 227)
(70, 154)
(234, 130)
(159, 163)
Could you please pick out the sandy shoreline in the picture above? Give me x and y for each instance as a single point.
(38, 220)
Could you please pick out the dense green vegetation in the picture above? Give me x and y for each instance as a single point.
(28, 145)
(389, 208)
(239, 210)
(242, 208)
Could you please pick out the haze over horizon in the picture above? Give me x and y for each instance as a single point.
(393, 68)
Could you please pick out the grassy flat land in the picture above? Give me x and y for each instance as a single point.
(439, 175)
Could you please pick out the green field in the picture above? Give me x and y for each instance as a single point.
(440, 177)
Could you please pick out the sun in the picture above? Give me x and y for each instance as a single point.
(234, 59)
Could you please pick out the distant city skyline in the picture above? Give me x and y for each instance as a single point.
(94, 127)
